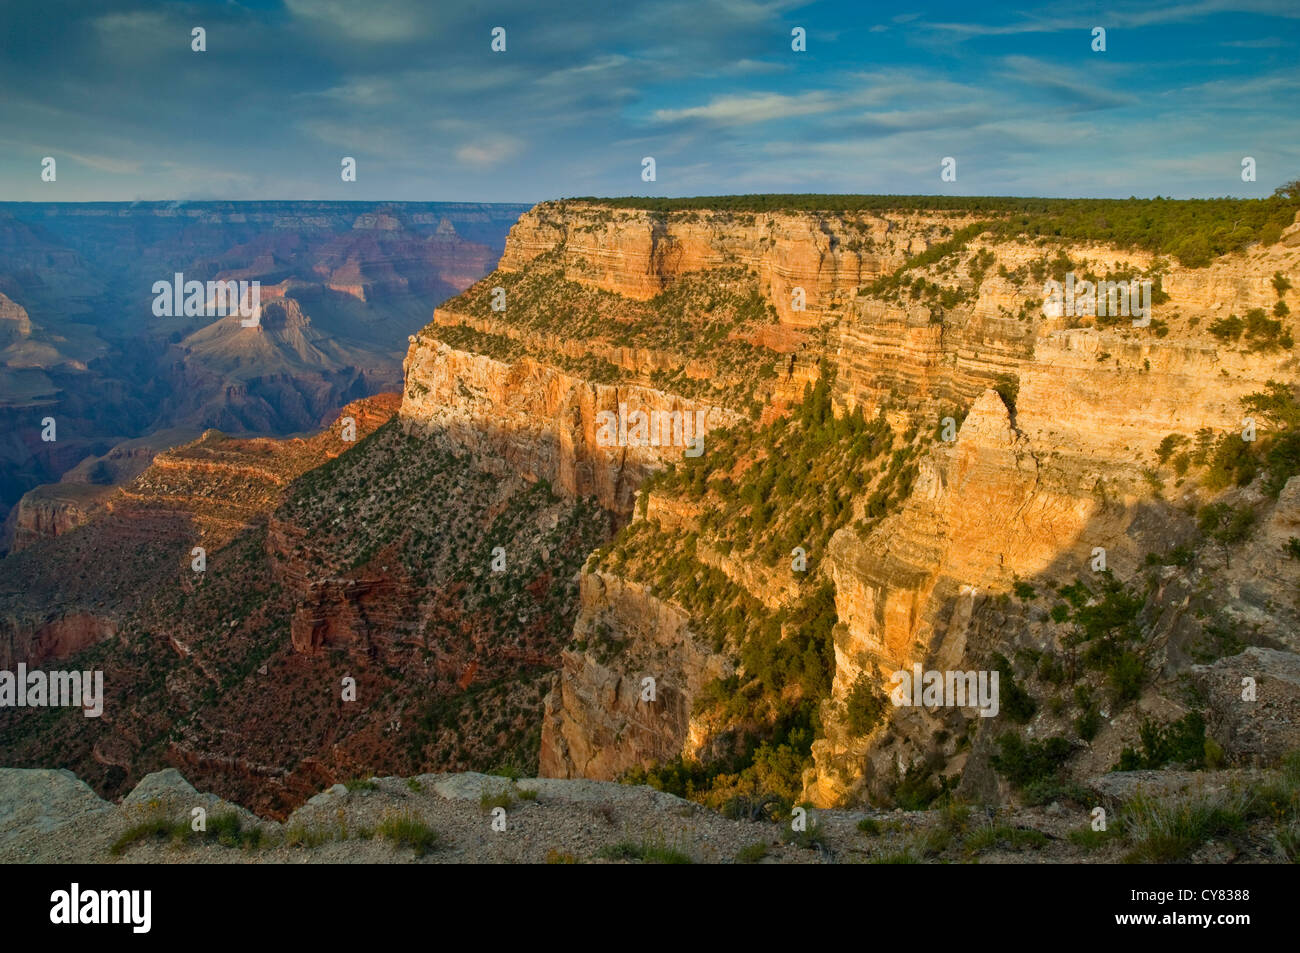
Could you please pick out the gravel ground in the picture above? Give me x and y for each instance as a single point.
(52, 817)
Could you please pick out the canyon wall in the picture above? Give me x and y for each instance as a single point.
(638, 253)
(1036, 480)
(603, 717)
(535, 420)
(1031, 491)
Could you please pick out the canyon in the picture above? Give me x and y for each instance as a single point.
(906, 461)
(345, 283)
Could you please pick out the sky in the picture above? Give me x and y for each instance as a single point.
(583, 92)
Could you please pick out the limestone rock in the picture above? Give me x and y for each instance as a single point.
(596, 723)
(36, 801)
(1255, 732)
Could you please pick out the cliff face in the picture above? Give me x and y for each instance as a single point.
(15, 325)
(638, 253)
(53, 510)
(603, 718)
(1032, 494)
(1134, 381)
(1034, 483)
(532, 419)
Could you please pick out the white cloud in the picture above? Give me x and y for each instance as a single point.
(376, 21)
(489, 151)
(743, 110)
(1066, 17)
(1267, 43)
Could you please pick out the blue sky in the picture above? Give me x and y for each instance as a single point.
(710, 88)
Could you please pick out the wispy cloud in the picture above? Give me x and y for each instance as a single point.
(752, 108)
(711, 88)
(489, 151)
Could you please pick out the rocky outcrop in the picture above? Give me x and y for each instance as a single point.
(603, 716)
(54, 509)
(532, 419)
(52, 817)
(638, 253)
(1253, 703)
(205, 492)
(359, 615)
(981, 511)
(36, 641)
(15, 325)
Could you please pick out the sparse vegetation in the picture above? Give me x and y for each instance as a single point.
(1025, 763)
(224, 828)
(651, 851)
(407, 830)
(865, 707)
(1182, 742)
(1004, 837)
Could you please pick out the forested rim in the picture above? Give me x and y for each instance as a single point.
(1194, 231)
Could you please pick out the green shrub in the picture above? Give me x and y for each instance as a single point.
(300, 835)
(408, 830)
(1025, 762)
(1089, 839)
(1224, 523)
(812, 834)
(1124, 676)
(651, 851)
(1168, 446)
(917, 789)
(1181, 741)
(1169, 831)
(1003, 835)
(154, 828)
(501, 797)
(903, 857)
(1227, 329)
(1017, 703)
(865, 707)
(1089, 721)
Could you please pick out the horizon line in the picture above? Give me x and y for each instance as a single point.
(643, 198)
